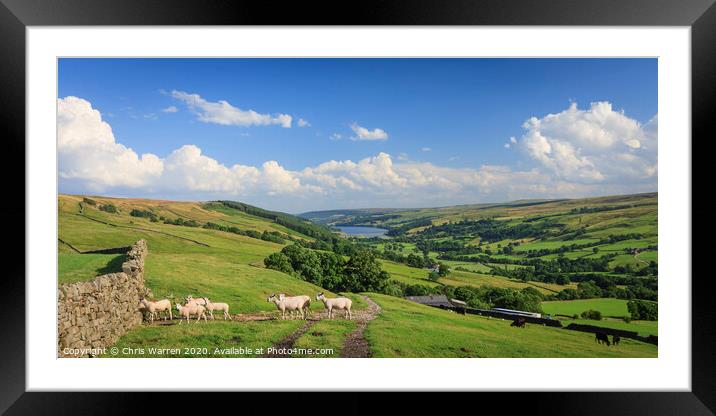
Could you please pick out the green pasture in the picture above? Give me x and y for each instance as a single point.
(607, 306)
(328, 333)
(210, 335)
(407, 329)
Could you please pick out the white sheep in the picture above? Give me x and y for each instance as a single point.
(200, 301)
(218, 306)
(192, 309)
(336, 303)
(156, 306)
(306, 305)
(287, 304)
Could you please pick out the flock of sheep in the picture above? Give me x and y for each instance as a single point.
(300, 305)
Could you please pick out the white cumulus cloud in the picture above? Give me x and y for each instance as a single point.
(567, 163)
(221, 112)
(170, 109)
(89, 154)
(593, 145)
(363, 133)
(303, 123)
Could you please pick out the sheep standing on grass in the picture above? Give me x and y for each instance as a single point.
(336, 303)
(287, 304)
(306, 305)
(156, 306)
(192, 309)
(200, 301)
(218, 306)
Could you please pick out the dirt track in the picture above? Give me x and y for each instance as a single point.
(356, 346)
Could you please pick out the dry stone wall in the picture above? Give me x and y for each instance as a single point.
(93, 315)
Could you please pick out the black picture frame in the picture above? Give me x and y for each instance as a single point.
(16, 15)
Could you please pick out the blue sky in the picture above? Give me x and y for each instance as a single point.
(429, 125)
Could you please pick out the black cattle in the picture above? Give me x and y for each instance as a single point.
(616, 339)
(519, 323)
(601, 337)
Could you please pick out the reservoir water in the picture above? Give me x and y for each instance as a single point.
(358, 231)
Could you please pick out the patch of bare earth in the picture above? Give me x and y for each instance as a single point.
(356, 346)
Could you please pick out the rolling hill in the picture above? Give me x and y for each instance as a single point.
(216, 249)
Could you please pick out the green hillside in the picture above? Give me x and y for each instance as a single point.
(406, 329)
(552, 245)
(217, 249)
(182, 260)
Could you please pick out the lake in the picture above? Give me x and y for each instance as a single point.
(356, 231)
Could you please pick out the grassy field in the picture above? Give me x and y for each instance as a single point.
(412, 275)
(324, 335)
(406, 329)
(181, 260)
(204, 338)
(228, 267)
(570, 223)
(82, 267)
(608, 307)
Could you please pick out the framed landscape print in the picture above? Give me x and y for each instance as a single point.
(478, 208)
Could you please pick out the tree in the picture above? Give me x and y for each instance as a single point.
(332, 266)
(433, 276)
(443, 269)
(643, 310)
(364, 274)
(280, 262)
(416, 290)
(108, 208)
(592, 314)
(588, 290)
(415, 261)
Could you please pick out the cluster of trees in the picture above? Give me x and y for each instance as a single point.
(556, 271)
(646, 311)
(572, 247)
(485, 297)
(592, 314)
(367, 220)
(108, 208)
(361, 272)
(291, 222)
(181, 221)
(273, 236)
(140, 213)
(527, 299)
(587, 210)
(652, 269)
(89, 201)
(491, 230)
(606, 288)
(395, 231)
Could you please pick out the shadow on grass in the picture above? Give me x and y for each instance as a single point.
(113, 266)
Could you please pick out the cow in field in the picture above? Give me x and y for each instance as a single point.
(601, 337)
(519, 323)
(616, 339)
